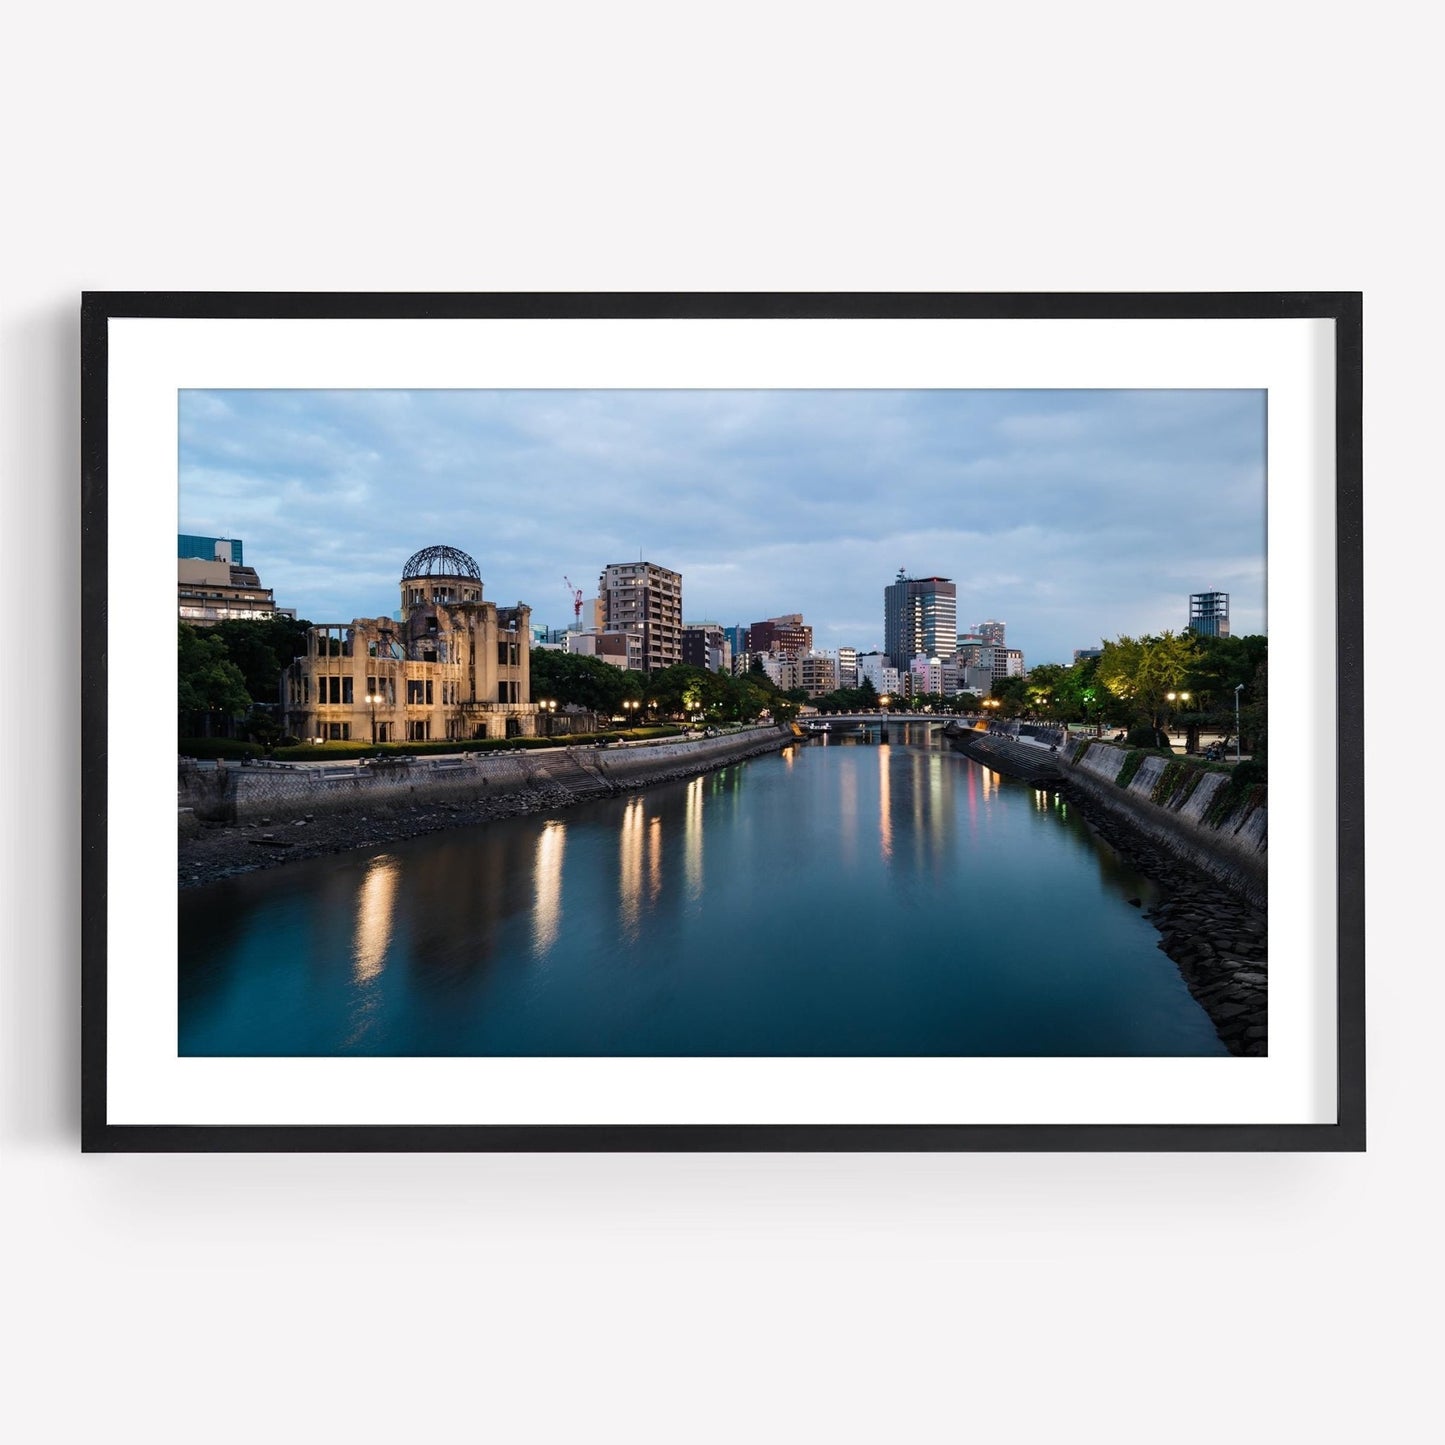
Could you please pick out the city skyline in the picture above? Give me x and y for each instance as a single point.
(1072, 516)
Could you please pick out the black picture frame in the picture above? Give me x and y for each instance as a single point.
(1343, 309)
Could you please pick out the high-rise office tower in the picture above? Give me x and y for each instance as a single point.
(643, 597)
(920, 618)
(1209, 614)
(992, 632)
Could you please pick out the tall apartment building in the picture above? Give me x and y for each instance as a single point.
(1209, 614)
(920, 617)
(991, 631)
(788, 636)
(925, 674)
(643, 597)
(705, 644)
(847, 667)
(817, 673)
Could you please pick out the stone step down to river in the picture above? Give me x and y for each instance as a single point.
(570, 773)
(1016, 760)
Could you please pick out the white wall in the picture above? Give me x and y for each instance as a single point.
(753, 146)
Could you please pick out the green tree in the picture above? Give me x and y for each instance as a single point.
(751, 699)
(1012, 695)
(585, 682)
(1219, 664)
(261, 650)
(211, 690)
(1047, 691)
(1142, 671)
(1254, 711)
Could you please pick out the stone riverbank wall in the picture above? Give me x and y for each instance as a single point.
(248, 794)
(1182, 808)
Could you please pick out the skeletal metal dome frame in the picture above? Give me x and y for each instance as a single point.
(440, 562)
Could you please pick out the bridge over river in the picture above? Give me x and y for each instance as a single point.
(882, 719)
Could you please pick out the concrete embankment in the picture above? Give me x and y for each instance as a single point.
(1179, 824)
(236, 819)
(1181, 808)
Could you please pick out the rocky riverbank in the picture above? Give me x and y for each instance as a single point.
(1219, 941)
(211, 851)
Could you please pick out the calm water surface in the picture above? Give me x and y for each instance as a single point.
(836, 899)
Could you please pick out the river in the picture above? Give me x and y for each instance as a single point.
(838, 898)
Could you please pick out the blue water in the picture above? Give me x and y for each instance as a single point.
(837, 899)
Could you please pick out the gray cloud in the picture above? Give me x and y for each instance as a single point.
(1071, 515)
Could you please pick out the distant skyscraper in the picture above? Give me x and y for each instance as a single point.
(1209, 614)
(991, 631)
(920, 618)
(643, 597)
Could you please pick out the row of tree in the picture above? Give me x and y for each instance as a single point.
(680, 691)
(1145, 684)
(229, 675)
(229, 680)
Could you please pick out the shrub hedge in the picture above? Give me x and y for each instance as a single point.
(349, 751)
(209, 748)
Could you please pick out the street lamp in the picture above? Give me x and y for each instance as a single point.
(1172, 698)
(629, 709)
(372, 698)
(1238, 689)
(548, 706)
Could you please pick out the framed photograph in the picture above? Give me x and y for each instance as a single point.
(722, 722)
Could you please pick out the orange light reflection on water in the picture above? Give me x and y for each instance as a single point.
(547, 906)
(885, 802)
(629, 839)
(692, 837)
(375, 908)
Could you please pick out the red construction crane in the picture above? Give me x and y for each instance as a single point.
(576, 600)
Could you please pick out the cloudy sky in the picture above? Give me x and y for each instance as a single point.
(1070, 515)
